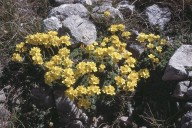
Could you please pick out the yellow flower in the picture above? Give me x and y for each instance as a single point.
(127, 54)
(109, 90)
(150, 46)
(106, 40)
(93, 89)
(56, 72)
(93, 80)
(56, 59)
(151, 56)
(151, 37)
(90, 48)
(100, 52)
(133, 76)
(163, 42)
(68, 72)
(68, 81)
(101, 67)
(67, 62)
(20, 47)
(49, 64)
(52, 33)
(65, 40)
(83, 103)
(119, 81)
(37, 59)
(71, 93)
(125, 69)
(159, 49)
(156, 60)
(130, 61)
(48, 78)
(110, 50)
(81, 90)
(34, 51)
(17, 57)
(116, 57)
(113, 28)
(103, 44)
(106, 14)
(64, 52)
(142, 37)
(126, 34)
(144, 73)
(91, 67)
(121, 27)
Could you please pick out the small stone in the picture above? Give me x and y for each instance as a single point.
(123, 118)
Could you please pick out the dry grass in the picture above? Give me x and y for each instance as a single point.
(19, 18)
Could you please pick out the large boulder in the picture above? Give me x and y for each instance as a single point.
(98, 13)
(179, 62)
(81, 30)
(67, 110)
(52, 23)
(158, 16)
(66, 10)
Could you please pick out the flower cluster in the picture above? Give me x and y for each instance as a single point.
(105, 67)
(153, 44)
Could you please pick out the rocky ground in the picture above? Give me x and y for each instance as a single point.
(163, 101)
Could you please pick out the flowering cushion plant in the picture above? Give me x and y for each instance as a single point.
(105, 67)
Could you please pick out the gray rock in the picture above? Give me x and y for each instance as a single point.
(136, 49)
(66, 108)
(66, 10)
(85, 2)
(42, 97)
(158, 16)
(190, 124)
(189, 92)
(98, 13)
(52, 23)
(81, 30)
(4, 117)
(123, 119)
(125, 8)
(76, 124)
(176, 68)
(190, 75)
(181, 89)
(185, 125)
(60, 2)
(188, 106)
(187, 117)
(2, 97)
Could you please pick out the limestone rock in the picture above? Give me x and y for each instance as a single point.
(98, 13)
(66, 10)
(81, 30)
(158, 16)
(125, 8)
(176, 68)
(181, 89)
